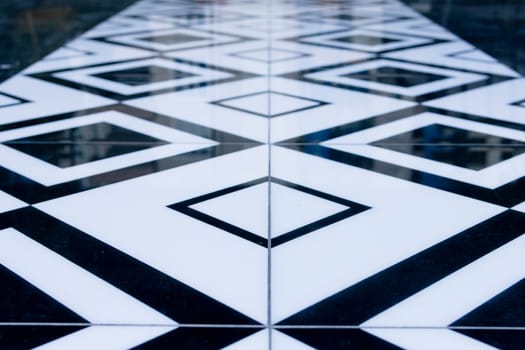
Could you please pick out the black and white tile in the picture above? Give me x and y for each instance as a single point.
(263, 175)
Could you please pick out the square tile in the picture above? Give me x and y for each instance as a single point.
(338, 280)
(173, 247)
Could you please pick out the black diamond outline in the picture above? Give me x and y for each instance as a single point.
(238, 54)
(184, 207)
(176, 72)
(318, 103)
(171, 47)
(379, 36)
(149, 37)
(490, 79)
(19, 100)
(51, 78)
(367, 71)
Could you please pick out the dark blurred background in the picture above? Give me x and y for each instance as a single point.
(29, 29)
(495, 26)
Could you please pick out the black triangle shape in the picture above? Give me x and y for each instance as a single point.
(22, 302)
(508, 339)
(27, 337)
(338, 339)
(506, 309)
(202, 338)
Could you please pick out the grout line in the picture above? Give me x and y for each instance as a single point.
(178, 325)
(405, 144)
(192, 325)
(397, 327)
(269, 140)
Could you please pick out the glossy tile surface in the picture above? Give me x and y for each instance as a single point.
(263, 175)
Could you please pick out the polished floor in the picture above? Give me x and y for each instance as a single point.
(283, 175)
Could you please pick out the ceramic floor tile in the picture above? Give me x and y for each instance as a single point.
(157, 229)
(127, 290)
(352, 270)
(263, 175)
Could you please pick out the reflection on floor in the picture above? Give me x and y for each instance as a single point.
(273, 175)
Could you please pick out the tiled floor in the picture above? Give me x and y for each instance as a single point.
(263, 175)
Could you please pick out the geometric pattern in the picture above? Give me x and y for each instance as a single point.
(319, 209)
(263, 175)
